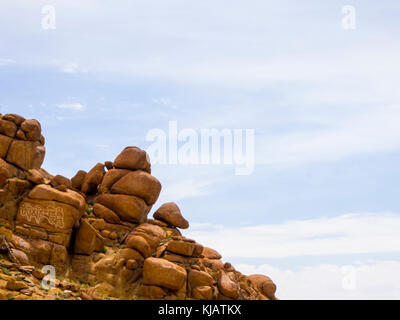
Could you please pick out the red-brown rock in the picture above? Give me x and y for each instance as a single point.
(133, 158)
(139, 184)
(128, 208)
(162, 273)
(170, 213)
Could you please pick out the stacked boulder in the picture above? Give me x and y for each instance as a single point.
(40, 208)
(95, 228)
(21, 146)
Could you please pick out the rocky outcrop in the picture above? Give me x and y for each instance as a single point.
(95, 230)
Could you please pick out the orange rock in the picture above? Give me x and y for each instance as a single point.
(52, 216)
(162, 273)
(88, 240)
(264, 284)
(113, 236)
(93, 179)
(20, 135)
(35, 176)
(11, 171)
(5, 143)
(105, 233)
(152, 233)
(26, 154)
(46, 192)
(109, 165)
(214, 264)
(3, 176)
(77, 180)
(111, 177)
(8, 128)
(17, 119)
(32, 129)
(211, 253)
(139, 184)
(170, 213)
(133, 158)
(14, 285)
(105, 213)
(129, 254)
(199, 278)
(226, 286)
(128, 208)
(140, 244)
(59, 180)
(198, 250)
(132, 264)
(18, 186)
(202, 293)
(151, 292)
(181, 247)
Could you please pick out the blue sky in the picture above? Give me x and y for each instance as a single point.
(323, 101)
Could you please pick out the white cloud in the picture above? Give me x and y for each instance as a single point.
(345, 234)
(372, 131)
(366, 280)
(72, 106)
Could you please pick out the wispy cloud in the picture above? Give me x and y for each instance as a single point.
(345, 234)
(370, 131)
(72, 106)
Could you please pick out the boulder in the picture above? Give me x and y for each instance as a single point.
(111, 177)
(264, 284)
(60, 180)
(35, 176)
(181, 247)
(26, 154)
(151, 292)
(140, 244)
(226, 286)
(88, 239)
(202, 293)
(199, 278)
(139, 184)
(109, 165)
(127, 254)
(162, 273)
(152, 233)
(171, 214)
(211, 253)
(77, 180)
(128, 208)
(133, 158)
(17, 119)
(46, 192)
(93, 179)
(8, 128)
(103, 212)
(32, 129)
(5, 143)
(53, 216)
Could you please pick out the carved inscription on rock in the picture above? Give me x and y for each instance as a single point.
(38, 213)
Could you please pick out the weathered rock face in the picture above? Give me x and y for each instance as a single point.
(21, 144)
(94, 229)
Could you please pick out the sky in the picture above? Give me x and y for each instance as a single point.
(316, 83)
